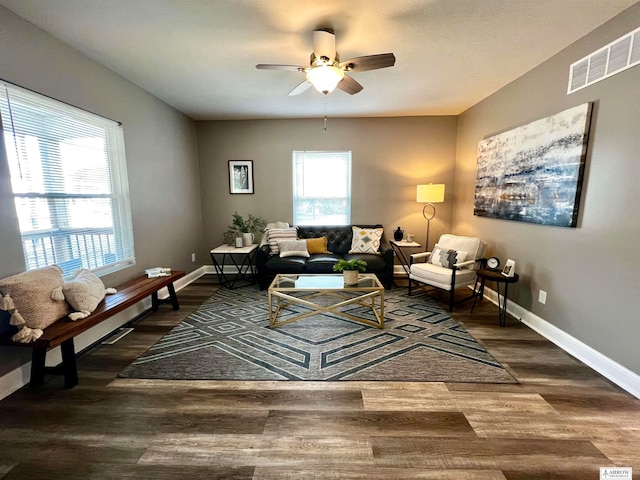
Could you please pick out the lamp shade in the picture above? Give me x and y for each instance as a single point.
(431, 193)
(325, 78)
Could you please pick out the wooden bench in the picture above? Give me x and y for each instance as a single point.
(63, 331)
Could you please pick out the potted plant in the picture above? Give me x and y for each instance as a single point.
(350, 269)
(247, 228)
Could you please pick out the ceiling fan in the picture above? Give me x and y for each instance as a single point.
(326, 72)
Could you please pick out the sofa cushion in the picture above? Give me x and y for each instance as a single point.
(293, 248)
(317, 245)
(293, 265)
(375, 263)
(366, 240)
(275, 235)
(322, 262)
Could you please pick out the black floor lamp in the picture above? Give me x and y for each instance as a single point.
(429, 194)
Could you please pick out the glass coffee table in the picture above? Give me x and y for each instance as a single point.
(288, 290)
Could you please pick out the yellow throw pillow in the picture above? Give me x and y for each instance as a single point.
(317, 245)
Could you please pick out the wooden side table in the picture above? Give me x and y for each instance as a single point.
(496, 276)
(241, 261)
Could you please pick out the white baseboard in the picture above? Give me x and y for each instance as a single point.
(610, 369)
(19, 377)
(398, 271)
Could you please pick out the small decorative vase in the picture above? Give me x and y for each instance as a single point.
(247, 239)
(229, 238)
(398, 234)
(350, 277)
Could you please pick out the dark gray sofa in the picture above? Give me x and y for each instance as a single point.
(339, 239)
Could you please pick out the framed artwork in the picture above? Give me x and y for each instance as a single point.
(509, 268)
(240, 176)
(533, 173)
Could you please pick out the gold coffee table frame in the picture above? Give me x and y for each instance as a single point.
(369, 293)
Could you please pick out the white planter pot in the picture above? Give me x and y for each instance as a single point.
(350, 277)
(247, 239)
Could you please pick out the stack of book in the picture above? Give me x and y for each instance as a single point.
(158, 272)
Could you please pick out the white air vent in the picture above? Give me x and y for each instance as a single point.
(619, 55)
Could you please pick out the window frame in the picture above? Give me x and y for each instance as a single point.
(51, 125)
(299, 157)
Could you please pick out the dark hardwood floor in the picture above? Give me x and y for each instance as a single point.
(562, 421)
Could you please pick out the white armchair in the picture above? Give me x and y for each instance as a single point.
(452, 264)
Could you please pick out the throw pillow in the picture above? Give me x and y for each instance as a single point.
(293, 248)
(275, 235)
(366, 240)
(317, 245)
(34, 300)
(446, 258)
(84, 292)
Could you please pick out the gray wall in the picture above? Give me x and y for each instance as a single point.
(592, 272)
(160, 146)
(390, 156)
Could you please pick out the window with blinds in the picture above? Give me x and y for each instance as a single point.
(69, 181)
(321, 188)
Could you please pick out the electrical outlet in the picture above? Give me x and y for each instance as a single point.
(542, 297)
(193, 257)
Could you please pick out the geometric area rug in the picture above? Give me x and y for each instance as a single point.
(228, 338)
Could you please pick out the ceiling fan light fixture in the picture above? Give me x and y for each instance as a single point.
(325, 78)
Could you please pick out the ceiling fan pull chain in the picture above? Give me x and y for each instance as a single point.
(325, 113)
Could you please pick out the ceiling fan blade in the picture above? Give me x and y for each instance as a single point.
(324, 44)
(273, 66)
(349, 85)
(302, 87)
(369, 62)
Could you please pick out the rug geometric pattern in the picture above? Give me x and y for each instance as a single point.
(228, 338)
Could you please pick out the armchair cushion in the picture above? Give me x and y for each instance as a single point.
(472, 245)
(441, 277)
(445, 257)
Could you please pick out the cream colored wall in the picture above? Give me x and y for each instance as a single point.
(591, 273)
(390, 157)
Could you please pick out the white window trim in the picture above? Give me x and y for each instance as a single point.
(300, 155)
(119, 239)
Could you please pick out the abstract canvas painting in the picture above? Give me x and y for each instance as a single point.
(533, 173)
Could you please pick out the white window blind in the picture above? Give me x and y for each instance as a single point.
(69, 181)
(321, 188)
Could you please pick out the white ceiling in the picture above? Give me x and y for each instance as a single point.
(200, 55)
